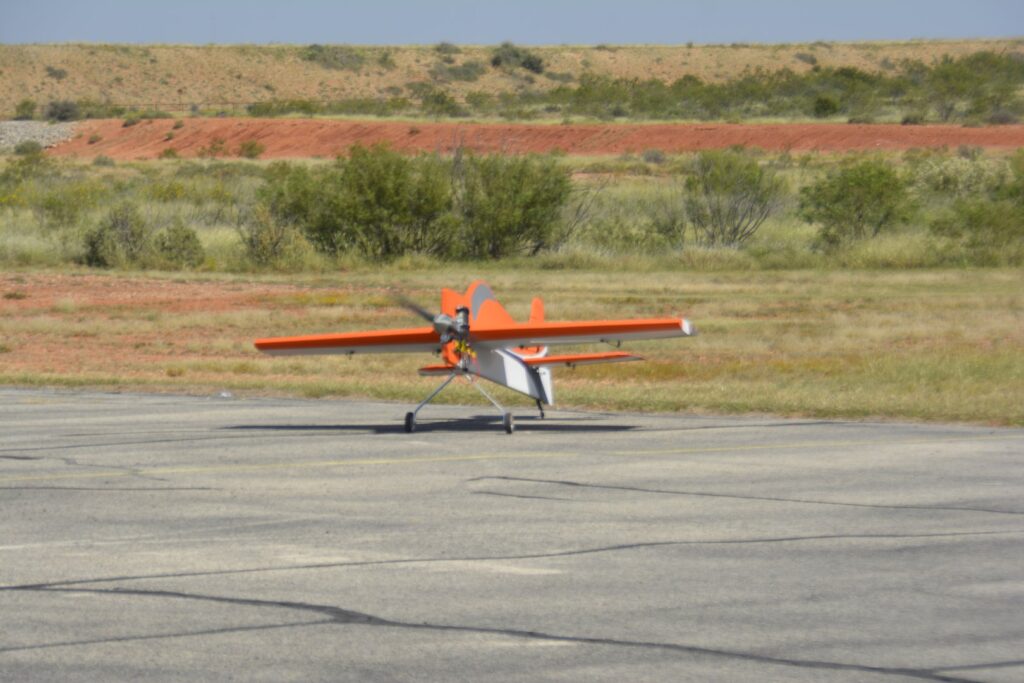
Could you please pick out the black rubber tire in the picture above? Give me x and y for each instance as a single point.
(508, 423)
(410, 423)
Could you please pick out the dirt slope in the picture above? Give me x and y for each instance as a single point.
(295, 138)
(176, 77)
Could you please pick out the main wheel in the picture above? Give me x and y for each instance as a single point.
(410, 422)
(508, 423)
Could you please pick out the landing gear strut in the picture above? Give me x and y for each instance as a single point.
(507, 421)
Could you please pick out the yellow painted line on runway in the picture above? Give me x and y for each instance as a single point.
(414, 460)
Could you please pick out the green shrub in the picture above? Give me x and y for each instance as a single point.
(102, 160)
(653, 156)
(273, 243)
(334, 56)
(446, 48)
(251, 149)
(121, 239)
(386, 60)
(510, 56)
(825, 106)
(56, 73)
(382, 204)
(62, 110)
(214, 149)
(509, 205)
(26, 147)
(62, 203)
(169, 153)
(469, 71)
(983, 223)
(859, 200)
(25, 110)
(94, 138)
(179, 247)
(728, 196)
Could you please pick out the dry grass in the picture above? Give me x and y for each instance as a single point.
(931, 345)
(176, 76)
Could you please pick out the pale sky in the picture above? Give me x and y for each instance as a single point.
(537, 22)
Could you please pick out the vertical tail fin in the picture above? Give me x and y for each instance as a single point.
(537, 311)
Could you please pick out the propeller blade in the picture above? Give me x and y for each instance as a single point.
(411, 306)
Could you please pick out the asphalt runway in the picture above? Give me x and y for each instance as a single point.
(175, 538)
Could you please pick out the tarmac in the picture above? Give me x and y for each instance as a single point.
(175, 538)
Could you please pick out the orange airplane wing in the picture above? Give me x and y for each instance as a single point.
(612, 331)
(382, 341)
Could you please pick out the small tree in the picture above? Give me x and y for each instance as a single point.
(179, 247)
(509, 204)
(382, 204)
(859, 200)
(62, 110)
(25, 110)
(728, 197)
(121, 239)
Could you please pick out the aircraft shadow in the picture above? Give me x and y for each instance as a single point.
(471, 424)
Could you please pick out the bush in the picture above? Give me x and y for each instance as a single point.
(510, 56)
(860, 200)
(62, 110)
(251, 149)
(335, 56)
(273, 243)
(169, 153)
(653, 156)
(56, 73)
(983, 224)
(27, 147)
(94, 138)
(470, 71)
(509, 205)
(385, 205)
(728, 196)
(61, 204)
(25, 110)
(121, 239)
(377, 203)
(102, 160)
(446, 48)
(179, 247)
(825, 106)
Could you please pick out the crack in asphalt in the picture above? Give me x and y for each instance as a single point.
(496, 558)
(984, 665)
(341, 616)
(514, 495)
(705, 494)
(161, 636)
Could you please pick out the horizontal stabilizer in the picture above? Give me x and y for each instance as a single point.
(430, 370)
(573, 359)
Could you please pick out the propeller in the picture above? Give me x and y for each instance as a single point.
(447, 327)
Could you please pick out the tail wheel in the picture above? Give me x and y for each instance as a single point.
(410, 422)
(508, 423)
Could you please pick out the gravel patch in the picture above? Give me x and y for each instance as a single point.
(46, 134)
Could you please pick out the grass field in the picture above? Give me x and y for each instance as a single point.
(940, 345)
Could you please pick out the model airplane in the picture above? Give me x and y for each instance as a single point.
(476, 337)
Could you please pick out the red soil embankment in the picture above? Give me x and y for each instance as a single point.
(297, 138)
